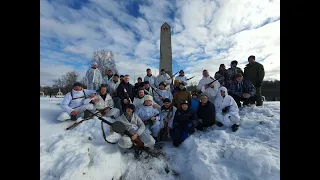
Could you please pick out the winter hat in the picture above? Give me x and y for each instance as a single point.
(163, 83)
(222, 65)
(131, 106)
(238, 75)
(184, 102)
(140, 88)
(166, 100)
(162, 70)
(148, 97)
(234, 62)
(252, 56)
(146, 82)
(77, 84)
(116, 75)
(103, 85)
(121, 76)
(181, 71)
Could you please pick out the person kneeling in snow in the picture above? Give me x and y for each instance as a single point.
(166, 118)
(73, 103)
(150, 116)
(103, 103)
(135, 126)
(227, 111)
(184, 123)
(206, 113)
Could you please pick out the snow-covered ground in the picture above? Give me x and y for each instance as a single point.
(253, 152)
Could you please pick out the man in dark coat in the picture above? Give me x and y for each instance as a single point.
(206, 113)
(254, 72)
(125, 92)
(242, 90)
(222, 76)
(184, 123)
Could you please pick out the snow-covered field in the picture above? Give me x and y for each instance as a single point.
(253, 152)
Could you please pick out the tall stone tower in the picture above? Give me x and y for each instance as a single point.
(165, 49)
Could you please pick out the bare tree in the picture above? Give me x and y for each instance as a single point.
(59, 83)
(70, 78)
(105, 61)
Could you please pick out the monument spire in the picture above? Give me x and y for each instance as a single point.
(165, 48)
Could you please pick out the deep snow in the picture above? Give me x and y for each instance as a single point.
(253, 152)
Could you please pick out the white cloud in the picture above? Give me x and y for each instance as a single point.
(205, 34)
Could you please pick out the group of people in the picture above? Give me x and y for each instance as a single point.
(153, 112)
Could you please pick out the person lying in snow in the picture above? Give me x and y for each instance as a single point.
(136, 127)
(227, 111)
(184, 123)
(150, 116)
(103, 103)
(73, 103)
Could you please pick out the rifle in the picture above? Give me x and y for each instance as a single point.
(173, 75)
(155, 91)
(149, 121)
(127, 95)
(164, 131)
(190, 78)
(212, 81)
(77, 123)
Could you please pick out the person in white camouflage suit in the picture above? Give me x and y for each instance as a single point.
(93, 77)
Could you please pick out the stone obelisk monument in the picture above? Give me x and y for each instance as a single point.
(165, 49)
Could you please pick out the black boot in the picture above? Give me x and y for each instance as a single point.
(234, 127)
(176, 143)
(219, 124)
(137, 153)
(86, 114)
(73, 117)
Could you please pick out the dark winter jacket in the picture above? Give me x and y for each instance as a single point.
(222, 77)
(136, 87)
(183, 117)
(207, 113)
(194, 104)
(181, 95)
(120, 91)
(254, 72)
(244, 86)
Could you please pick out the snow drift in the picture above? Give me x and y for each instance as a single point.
(253, 152)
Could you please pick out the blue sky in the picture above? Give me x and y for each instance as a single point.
(205, 34)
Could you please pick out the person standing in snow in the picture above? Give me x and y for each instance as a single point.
(184, 123)
(149, 116)
(211, 90)
(182, 77)
(108, 78)
(233, 70)
(125, 92)
(206, 113)
(254, 72)
(150, 78)
(113, 85)
(163, 77)
(242, 90)
(167, 113)
(93, 77)
(73, 103)
(222, 76)
(103, 103)
(135, 126)
(161, 93)
(227, 111)
(181, 95)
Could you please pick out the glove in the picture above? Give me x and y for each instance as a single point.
(226, 109)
